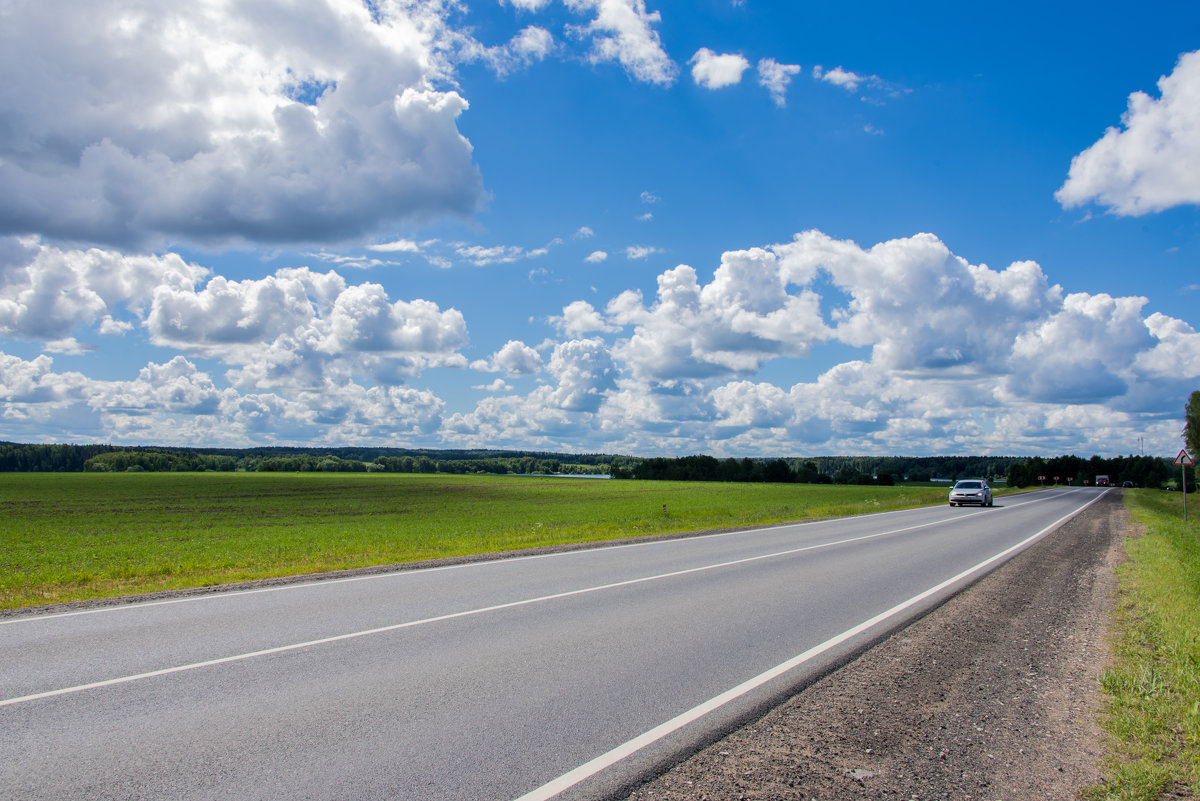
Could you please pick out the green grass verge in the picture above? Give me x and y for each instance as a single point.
(1152, 689)
(75, 536)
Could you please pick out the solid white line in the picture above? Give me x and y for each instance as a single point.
(607, 760)
(455, 615)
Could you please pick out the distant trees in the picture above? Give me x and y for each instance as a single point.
(1191, 432)
(1144, 471)
(154, 461)
(16, 457)
(1141, 471)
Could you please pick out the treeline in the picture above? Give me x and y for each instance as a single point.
(15, 457)
(1141, 471)
(709, 468)
(877, 470)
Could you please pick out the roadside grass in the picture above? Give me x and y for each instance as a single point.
(76, 536)
(1152, 688)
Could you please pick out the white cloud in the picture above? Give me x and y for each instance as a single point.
(300, 328)
(501, 254)
(529, 5)
(596, 256)
(580, 317)
(496, 386)
(623, 31)
(918, 305)
(57, 291)
(304, 356)
(717, 70)
(635, 252)
(1150, 163)
(939, 336)
(529, 45)
(396, 246)
(649, 197)
(776, 78)
(176, 386)
(215, 123)
(177, 404)
(840, 77)
(730, 326)
(584, 370)
(498, 254)
(532, 44)
(515, 359)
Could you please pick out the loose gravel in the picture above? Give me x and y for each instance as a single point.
(993, 695)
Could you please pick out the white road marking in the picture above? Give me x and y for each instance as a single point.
(320, 583)
(455, 615)
(607, 760)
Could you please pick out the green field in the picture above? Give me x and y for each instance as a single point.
(74, 536)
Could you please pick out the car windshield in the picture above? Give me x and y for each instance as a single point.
(968, 485)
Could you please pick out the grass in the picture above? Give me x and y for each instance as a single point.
(76, 536)
(1152, 688)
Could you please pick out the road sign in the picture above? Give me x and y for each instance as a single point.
(1184, 459)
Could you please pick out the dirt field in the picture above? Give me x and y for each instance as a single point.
(991, 696)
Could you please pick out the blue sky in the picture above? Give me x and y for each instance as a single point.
(658, 228)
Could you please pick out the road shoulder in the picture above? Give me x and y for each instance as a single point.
(992, 695)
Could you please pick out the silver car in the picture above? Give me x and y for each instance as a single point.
(973, 491)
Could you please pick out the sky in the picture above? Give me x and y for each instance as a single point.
(648, 227)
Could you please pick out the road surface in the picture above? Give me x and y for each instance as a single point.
(566, 675)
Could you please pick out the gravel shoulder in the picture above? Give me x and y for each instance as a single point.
(993, 695)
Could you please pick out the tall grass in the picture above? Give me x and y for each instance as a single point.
(1152, 689)
(78, 536)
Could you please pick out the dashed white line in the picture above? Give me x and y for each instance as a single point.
(607, 760)
(454, 615)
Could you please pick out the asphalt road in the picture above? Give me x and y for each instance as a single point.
(562, 676)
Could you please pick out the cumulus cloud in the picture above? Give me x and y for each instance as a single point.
(580, 317)
(214, 123)
(717, 70)
(515, 359)
(1152, 161)
(584, 370)
(56, 292)
(176, 403)
(937, 335)
(596, 256)
(744, 317)
(776, 78)
(302, 328)
(296, 327)
(919, 335)
(623, 31)
(917, 305)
